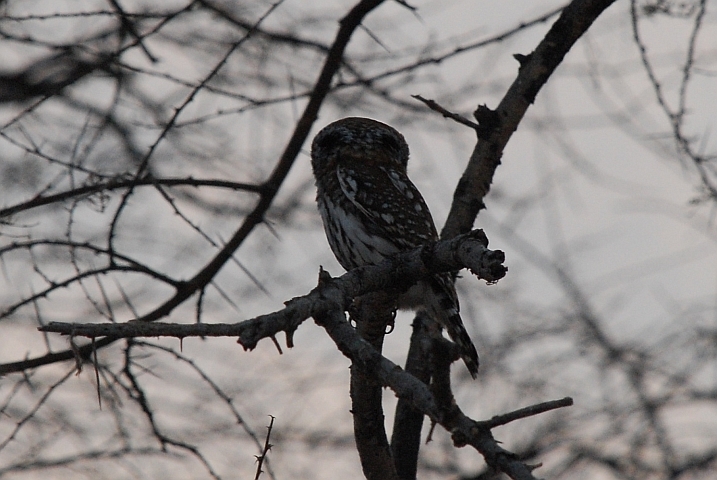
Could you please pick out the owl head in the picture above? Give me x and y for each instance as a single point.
(358, 141)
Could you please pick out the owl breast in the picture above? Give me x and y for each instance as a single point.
(351, 241)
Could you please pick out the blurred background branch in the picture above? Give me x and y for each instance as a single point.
(154, 165)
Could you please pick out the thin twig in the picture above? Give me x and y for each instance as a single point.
(265, 450)
(530, 411)
(433, 105)
(270, 188)
(97, 372)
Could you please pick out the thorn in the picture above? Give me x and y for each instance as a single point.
(522, 59)
(534, 467)
(324, 276)
(289, 338)
(276, 344)
(97, 372)
(429, 438)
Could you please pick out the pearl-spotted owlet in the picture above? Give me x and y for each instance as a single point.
(371, 210)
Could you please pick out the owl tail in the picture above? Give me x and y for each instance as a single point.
(445, 309)
(458, 334)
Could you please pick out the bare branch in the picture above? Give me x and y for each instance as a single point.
(464, 431)
(526, 412)
(270, 187)
(433, 105)
(393, 275)
(120, 183)
(497, 126)
(372, 313)
(267, 446)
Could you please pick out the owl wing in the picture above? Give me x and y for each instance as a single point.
(391, 203)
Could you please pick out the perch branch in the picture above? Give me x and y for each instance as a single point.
(464, 430)
(394, 274)
(269, 189)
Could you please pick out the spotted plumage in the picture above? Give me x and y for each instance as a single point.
(372, 210)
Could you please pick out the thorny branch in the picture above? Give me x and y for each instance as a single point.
(269, 188)
(677, 115)
(464, 430)
(496, 127)
(397, 273)
(260, 459)
(97, 188)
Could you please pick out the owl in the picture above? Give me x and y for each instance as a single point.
(371, 210)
